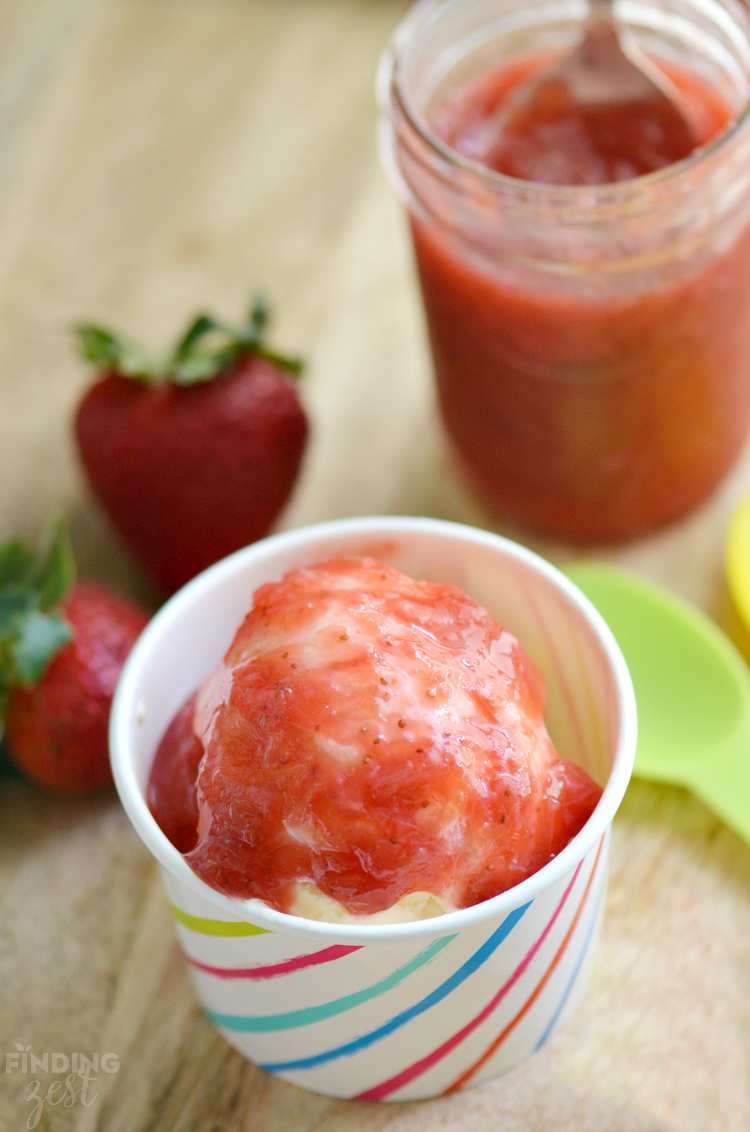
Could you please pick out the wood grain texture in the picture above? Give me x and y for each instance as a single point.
(159, 156)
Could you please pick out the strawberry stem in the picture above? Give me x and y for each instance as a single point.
(207, 349)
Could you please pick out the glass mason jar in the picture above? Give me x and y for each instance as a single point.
(591, 344)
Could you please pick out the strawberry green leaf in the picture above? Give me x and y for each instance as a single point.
(14, 602)
(207, 349)
(46, 573)
(38, 638)
(32, 585)
(199, 368)
(55, 568)
(108, 351)
(195, 359)
(293, 366)
(16, 561)
(258, 316)
(201, 326)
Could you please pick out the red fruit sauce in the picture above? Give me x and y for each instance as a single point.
(374, 735)
(172, 786)
(556, 141)
(589, 413)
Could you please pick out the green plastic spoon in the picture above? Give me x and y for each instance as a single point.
(692, 689)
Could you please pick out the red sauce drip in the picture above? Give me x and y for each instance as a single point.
(376, 736)
(171, 793)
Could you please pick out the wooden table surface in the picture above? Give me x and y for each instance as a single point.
(158, 156)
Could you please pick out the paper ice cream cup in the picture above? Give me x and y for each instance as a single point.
(409, 1010)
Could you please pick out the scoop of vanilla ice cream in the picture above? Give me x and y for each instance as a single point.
(376, 745)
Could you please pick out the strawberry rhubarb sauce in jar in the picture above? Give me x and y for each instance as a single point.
(590, 338)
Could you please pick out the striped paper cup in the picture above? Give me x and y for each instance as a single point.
(396, 1011)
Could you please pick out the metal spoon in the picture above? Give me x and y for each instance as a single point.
(692, 689)
(605, 94)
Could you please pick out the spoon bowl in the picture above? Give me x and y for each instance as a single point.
(604, 97)
(692, 689)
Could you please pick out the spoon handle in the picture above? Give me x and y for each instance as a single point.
(723, 782)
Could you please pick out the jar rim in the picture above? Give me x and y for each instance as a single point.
(606, 192)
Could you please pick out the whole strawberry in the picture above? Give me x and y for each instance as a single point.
(195, 456)
(62, 646)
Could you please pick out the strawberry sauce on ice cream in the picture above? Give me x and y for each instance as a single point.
(368, 736)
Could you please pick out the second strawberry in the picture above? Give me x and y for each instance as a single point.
(192, 457)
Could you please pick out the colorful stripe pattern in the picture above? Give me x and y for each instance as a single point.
(473, 1069)
(405, 1020)
(215, 927)
(450, 984)
(291, 1019)
(271, 970)
(419, 1067)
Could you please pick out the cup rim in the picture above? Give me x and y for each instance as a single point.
(256, 911)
